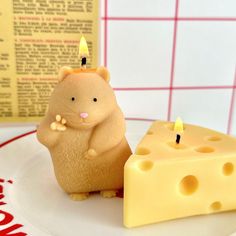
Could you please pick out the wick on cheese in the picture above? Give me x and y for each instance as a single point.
(179, 128)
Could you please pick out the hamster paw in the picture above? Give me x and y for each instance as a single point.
(79, 196)
(90, 154)
(59, 124)
(108, 193)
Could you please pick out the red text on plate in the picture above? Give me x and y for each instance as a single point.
(7, 218)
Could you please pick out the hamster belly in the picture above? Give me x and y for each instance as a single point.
(69, 164)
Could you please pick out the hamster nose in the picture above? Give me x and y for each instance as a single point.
(84, 115)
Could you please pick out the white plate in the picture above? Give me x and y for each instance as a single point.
(40, 206)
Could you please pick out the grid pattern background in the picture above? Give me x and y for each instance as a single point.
(172, 58)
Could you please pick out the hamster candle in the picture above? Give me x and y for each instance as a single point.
(84, 130)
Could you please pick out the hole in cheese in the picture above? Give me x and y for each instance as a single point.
(215, 206)
(188, 185)
(142, 151)
(145, 165)
(205, 149)
(228, 168)
(150, 132)
(213, 138)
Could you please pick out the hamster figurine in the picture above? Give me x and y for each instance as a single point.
(84, 130)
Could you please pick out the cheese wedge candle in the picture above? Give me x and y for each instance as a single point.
(164, 181)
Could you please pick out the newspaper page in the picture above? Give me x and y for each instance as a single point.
(37, 37)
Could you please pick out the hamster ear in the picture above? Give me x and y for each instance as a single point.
(63, 72)
(104, 73)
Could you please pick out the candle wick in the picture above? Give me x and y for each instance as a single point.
(83, 62)
(178, 138)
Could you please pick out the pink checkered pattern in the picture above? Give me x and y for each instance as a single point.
(172, 58)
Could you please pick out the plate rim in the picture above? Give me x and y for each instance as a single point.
(11, 140)
(17, 137)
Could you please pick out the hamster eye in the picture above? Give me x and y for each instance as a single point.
(95, 99)
(73, 99)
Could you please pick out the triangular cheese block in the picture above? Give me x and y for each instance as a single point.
(164, 180)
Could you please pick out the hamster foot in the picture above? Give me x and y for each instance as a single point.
(108, 193)
(79, 196)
